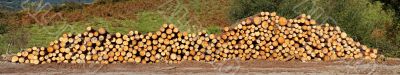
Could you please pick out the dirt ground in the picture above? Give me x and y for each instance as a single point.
(230, 67)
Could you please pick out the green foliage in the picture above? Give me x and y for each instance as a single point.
(3, 28)
(244, 8)
(394, 31)
(391, 4)
(13, 41)
(148, 22)
(363, 20)
(213, 30)
(3, 45)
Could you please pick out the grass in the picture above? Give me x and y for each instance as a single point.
(148, 22)
(214, 29)
(13, 41)
(3, 44)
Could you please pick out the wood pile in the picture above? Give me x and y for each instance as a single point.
(265, 36)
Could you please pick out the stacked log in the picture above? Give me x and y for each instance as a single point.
(265, 36)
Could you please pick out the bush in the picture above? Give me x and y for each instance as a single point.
(363, 20)
(244, 8)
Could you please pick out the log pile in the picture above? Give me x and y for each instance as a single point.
(265, 36)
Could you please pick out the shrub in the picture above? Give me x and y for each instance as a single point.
(244, 8)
